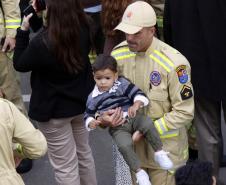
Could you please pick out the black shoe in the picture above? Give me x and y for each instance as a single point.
(24, 166)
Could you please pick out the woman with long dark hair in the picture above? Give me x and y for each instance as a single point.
(61, 79)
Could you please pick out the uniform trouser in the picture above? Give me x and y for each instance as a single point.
(122, 136)
(9, 82)
(69, 151)
(208, 124)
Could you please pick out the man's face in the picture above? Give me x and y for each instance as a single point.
(140, 41)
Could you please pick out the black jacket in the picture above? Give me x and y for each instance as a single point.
(197, 28)
(55, 92)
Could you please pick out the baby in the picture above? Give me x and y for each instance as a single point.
(112, 91)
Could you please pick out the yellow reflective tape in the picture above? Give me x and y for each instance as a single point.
(19, 148)
(166, 59)
(164, 124)
(171, 171)
(125, 56)
(121, 50)
(13, 27)
(169, 134)
(157, 126)
(185, 152)
(160, 21)
(160, 63)
(13, 20)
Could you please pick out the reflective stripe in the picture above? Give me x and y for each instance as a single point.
(160, 21)
(160, 124)
(12, 23)
(122, 53)
(170, 134)
(118, 51)
(185, 152)
(162, 60)
(171, 171)
(125, 56)
(92, 57)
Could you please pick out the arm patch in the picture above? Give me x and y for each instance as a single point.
(186, 92)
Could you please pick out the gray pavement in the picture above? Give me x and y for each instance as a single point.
(101, 144)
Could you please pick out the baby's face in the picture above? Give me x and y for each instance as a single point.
(105, 79)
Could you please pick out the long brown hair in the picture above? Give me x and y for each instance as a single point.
(64, 20)
(112, 12)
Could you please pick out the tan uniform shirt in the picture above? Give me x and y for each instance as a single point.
(15, 126)
(9, 18)
(164, 76)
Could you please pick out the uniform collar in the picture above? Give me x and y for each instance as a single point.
(152, 47)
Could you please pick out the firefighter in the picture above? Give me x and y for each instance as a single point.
(163, 74)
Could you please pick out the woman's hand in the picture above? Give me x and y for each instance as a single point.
(112, 118)
(25, 24)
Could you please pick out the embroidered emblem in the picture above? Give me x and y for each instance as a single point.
(129, 14)
(182, 74)
(155, 78)
(186, 92)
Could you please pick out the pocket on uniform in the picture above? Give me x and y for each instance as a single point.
(157, 99)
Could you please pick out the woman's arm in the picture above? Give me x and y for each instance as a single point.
(26, 54)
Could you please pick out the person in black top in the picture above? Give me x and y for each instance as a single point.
(61, 79)
(197, 29)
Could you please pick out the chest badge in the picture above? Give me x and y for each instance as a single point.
(155, 78)
(182, 74)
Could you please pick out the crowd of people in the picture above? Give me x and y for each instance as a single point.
(157, 84)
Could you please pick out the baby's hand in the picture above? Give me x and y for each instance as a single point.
(94, 123)
(132, 111)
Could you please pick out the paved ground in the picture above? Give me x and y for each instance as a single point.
(100, 141)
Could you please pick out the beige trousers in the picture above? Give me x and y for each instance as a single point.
(69, 151)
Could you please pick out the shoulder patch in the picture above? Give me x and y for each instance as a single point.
(182, 74)
(186, 92)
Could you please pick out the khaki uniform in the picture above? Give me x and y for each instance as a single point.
(9, 81)
(15, 126)
(164, 76)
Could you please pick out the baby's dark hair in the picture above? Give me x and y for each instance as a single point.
(195, 173)
(103, 62)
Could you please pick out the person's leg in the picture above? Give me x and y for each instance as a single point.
(123, 139)
(207, 121)
(10, 83)
(145, 125)
(86, 164)
(62, 150)
(223, 161)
